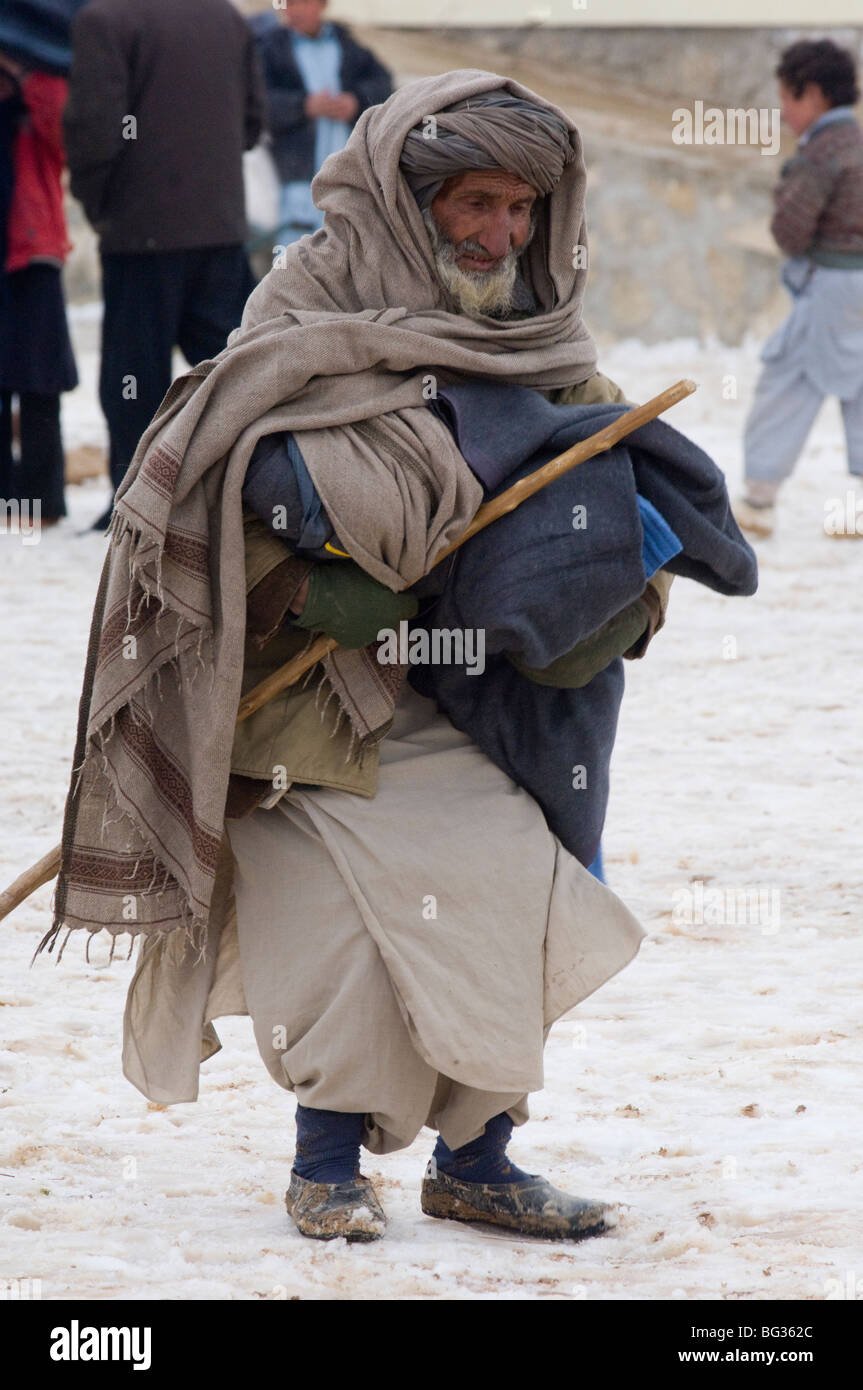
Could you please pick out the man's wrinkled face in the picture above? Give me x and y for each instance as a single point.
(479, 223)
(490, 208)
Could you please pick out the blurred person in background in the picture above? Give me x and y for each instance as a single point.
(164, 98)
(36, 359)
(318, 81)
(818, 223)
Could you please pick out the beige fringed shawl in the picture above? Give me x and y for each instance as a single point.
(338, 344)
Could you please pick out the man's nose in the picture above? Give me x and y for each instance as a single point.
(496, 235)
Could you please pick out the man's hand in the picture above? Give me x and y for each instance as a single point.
(347, 604)
(341, 106)
(317, 104)
(298, 602)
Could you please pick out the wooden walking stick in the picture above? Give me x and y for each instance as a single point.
(49, 866)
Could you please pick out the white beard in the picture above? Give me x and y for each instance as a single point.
(476, 292)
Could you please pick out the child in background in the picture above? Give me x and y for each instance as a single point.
(818, 223)
(36, 358)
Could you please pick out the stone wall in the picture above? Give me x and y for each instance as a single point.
(724, 66)
(669, 254)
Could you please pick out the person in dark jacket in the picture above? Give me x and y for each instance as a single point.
(318, 81)
(36, 358)
(164, 99)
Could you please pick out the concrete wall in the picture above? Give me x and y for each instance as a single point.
(582, 14)
(677, 250)
(727, 65)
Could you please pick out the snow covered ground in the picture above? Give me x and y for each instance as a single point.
(713, 1088)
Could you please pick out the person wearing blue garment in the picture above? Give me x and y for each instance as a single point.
(318, 81)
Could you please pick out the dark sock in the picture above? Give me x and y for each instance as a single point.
(328, 1145)
(483, 1159)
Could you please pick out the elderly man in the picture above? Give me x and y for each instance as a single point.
(388, 905)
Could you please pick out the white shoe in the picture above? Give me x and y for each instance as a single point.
(759, 520)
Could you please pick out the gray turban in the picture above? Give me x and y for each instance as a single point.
(492, 130)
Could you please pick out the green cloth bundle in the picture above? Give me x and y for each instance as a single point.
(579, 666)
(347, 604)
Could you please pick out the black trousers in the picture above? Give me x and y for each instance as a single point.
(155, 301)
(38, 471)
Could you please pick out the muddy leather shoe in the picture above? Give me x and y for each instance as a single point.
(325, 1210)
(533, 1208)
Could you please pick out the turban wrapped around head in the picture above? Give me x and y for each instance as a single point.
(374, 252)
(492, 130)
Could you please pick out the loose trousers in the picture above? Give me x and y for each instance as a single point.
(817, 352)
(783, 412)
